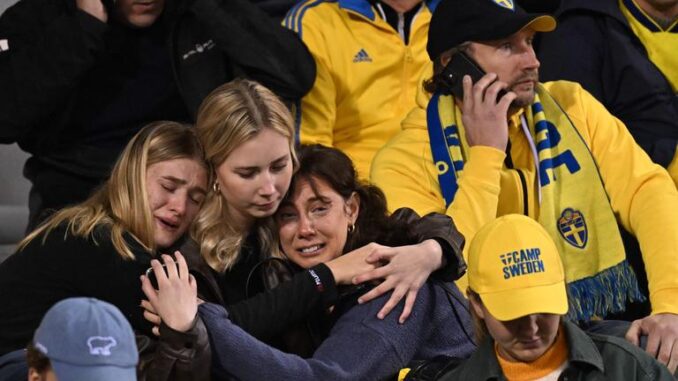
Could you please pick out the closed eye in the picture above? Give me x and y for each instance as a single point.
(286, 214)
(279, 167)
(246, 174)
(319, 209)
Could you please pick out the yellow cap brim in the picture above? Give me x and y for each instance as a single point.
(542, 23)
(512, 304)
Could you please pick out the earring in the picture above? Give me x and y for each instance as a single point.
(351, 228)
(215, 187)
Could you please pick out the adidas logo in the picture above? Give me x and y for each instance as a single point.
(362, 56)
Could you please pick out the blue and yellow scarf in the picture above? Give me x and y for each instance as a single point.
(574, 208)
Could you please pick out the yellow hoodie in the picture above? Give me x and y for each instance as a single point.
(366, 77)
(642, 195)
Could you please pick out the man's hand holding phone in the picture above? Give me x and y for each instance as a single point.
(485, 118)
(176, 299)
(485, 102)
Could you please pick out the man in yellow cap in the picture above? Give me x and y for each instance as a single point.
(518, 299)
(550, 151)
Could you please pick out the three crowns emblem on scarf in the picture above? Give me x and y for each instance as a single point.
(572, 226)
(508, 4)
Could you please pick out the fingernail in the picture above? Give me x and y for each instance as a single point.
(380, 316)
(360, 301)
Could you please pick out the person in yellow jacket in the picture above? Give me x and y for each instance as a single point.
(570, 165)
(369, 57)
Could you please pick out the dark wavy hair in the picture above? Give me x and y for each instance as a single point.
(318, 162)
(36, 359)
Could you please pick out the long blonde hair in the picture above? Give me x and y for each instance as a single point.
(231, 115)
(122, 202)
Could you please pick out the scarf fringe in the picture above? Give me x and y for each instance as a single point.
(606, 292)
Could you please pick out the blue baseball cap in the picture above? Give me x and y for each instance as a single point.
(88, 339)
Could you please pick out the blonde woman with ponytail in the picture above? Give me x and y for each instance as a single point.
(100, 247)
(248, 136)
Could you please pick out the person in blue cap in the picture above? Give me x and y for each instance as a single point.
(83, 339)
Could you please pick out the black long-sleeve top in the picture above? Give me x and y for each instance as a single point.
(35, 278)
(40, 275)
(74, 90)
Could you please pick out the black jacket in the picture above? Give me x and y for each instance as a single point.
(55, 50)
(35, 278)
(591, 358)
(595, 46)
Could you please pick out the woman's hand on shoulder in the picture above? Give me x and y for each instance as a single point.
(405, 269)
(348, 266)
(176, 299)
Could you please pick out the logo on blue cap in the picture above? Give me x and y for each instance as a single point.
(101, 346)
(88, 339)
(508, 4)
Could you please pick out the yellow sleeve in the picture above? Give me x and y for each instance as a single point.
(673, 168)
(401, 171)
(404, 170)
(476, 200)
(317, 111)
(642, 195)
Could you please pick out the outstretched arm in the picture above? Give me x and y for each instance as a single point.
(359, 346)
(408, 267)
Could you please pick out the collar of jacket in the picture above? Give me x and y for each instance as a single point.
(581, 350)
(364, 8)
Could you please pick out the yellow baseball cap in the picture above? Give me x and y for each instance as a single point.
(514, 265)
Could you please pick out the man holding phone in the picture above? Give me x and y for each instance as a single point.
(549, 151)
(80, 77)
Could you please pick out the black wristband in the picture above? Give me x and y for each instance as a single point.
(324, 282)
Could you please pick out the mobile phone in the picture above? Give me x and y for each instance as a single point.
(453, 74)
(150, 274)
